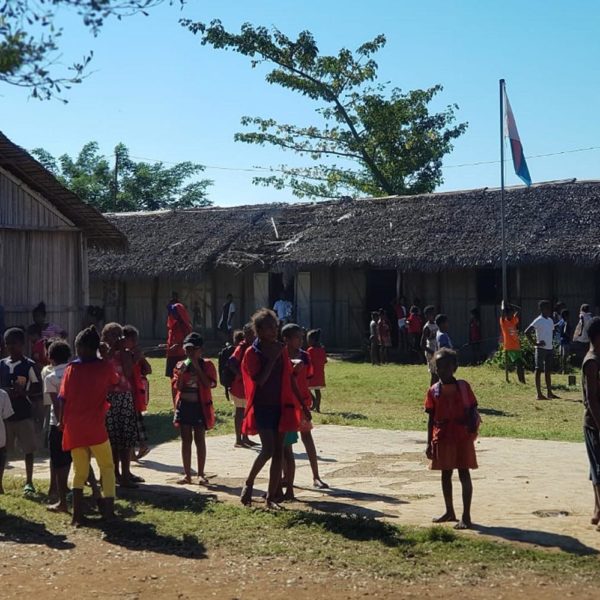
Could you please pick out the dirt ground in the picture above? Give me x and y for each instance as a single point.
(534, 492)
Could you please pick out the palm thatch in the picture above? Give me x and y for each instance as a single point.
(18, 162)
(547, 223)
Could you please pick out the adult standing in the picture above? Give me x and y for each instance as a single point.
(283, 309)
(178, 326)
(227, 314)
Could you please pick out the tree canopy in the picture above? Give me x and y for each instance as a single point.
(135, 185)
(369, 139)
(29, 39)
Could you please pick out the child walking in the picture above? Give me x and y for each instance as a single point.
(141, 368)
(318, 359)
(272, 408)
(293, 337)
(193, 380)
(451, 433)
(237, 390)
(82, 407)
(59, 354)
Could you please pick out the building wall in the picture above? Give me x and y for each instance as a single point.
(42, 258)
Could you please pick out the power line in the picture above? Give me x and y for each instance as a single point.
(458, 166)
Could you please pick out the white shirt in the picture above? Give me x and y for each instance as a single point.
(52, 383)
(45, 372)
(6, 410)
(283, 308)
(544, 331)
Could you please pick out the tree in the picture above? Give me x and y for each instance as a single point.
(134, 186)
(29, 39)
(386, 141)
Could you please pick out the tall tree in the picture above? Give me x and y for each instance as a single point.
(119, 183)
(370, 140)
(29, 39)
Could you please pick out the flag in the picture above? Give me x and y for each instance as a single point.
(516, 148)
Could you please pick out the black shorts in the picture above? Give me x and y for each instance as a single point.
(171, 364)
(267, 417)
(543, 359)
(58, 457)
(592, 446)
(189, 413)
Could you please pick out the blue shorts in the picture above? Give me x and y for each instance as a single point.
(267, 417)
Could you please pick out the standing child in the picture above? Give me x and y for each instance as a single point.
(414, 324)
(237, 390)
(591, 420)
(563, 329)
(226, 374)
(429, 341)
(451, 433)
(82, 404)
(59, 354)
(293, 337)
(141, 368)
(541, 334)
(121, 418)
(442, 337)
(272, 408)
(374, 339)
(509, 326)
(193, 380)
(38, 346)
(475, 336)
(19, 379)
(384, 336)
(318, 358)
(6, 411)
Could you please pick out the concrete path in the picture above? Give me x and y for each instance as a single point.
(524, 490)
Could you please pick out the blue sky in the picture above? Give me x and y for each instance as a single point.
(155, 88)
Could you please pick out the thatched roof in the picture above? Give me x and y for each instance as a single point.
(551, 222)
(21, 164)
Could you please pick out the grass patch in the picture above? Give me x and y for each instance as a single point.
(391, 397)
(193, 527)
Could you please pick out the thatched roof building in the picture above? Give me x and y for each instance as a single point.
(422, 239)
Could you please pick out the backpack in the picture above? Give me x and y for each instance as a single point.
(226, 375)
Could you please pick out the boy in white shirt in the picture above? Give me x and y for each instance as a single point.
(6, 410)
(541, 335)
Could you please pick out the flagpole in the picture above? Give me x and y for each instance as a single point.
(502, 224)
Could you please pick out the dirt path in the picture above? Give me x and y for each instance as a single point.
(525, 490)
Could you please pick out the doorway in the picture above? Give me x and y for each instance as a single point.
(381, 292)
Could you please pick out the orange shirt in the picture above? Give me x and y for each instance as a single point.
(510, 333)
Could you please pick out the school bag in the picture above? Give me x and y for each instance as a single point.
(226, 375)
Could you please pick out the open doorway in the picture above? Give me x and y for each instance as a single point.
(381, 292)
(278, 286)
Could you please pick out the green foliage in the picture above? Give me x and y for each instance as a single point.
(384, 141)
(29, 46)
(139, 185)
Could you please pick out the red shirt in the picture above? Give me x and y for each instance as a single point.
(252, 364)
(237, 387)
(38, 353)
(178, 326)
(190, 380)
(83, 390)
(138, 387)
(318, 358)
(415, 323)
(302, 378)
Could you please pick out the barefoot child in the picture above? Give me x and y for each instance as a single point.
(591, 402)
(59, 354)
(272, 408)
(318, 358)
(451, 433)
(193, 380)
(293, 337)
(82, 404)
(237, 390)
(141, 368)
(541, 335)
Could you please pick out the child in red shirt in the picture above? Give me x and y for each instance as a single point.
(272, 407)
(318, 358)
(414, 323)
(303, 370)
(451, 433)
(193, 379)
(83, 407)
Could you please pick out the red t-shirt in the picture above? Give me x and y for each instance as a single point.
(415, 324)
(178, 326)
(190, 380)
(302, 378)
(237, 387)
(83, 390)
(38, 353)
(318, 359)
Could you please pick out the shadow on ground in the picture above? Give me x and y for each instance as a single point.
(21, 531)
